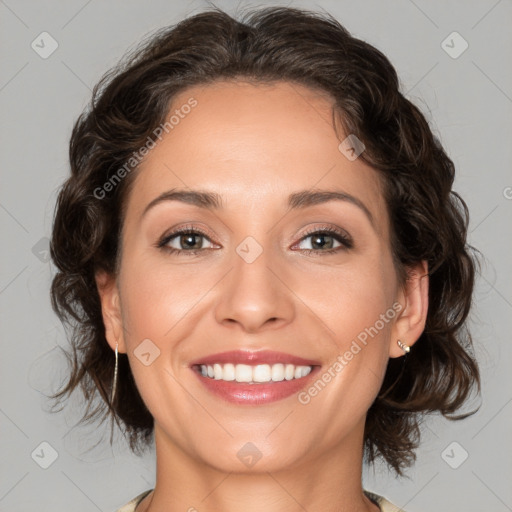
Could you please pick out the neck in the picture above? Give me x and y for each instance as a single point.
(331, 481)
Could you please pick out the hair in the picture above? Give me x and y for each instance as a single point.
(428, 220)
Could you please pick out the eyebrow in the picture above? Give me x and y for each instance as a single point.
(297, 200)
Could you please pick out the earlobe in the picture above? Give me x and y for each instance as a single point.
(111, 309)
(411, 320)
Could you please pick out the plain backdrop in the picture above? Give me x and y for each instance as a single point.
(467, 98)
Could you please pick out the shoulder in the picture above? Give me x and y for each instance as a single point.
(383, 503)
(130, 506)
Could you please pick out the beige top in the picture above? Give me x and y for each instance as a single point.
(383, 503)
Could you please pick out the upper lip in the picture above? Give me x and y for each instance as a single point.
(254, 358)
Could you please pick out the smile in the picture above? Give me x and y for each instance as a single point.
(254, 378)
(254, 374)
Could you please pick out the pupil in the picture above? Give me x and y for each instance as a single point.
(319, 237)
(188, 240)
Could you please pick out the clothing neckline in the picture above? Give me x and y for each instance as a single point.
(140, 497)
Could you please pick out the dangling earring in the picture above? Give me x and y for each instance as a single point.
(404, 347)
(114, 385)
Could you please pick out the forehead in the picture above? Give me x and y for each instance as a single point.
(254, 144)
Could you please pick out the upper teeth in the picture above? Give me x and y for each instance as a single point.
(258, 373)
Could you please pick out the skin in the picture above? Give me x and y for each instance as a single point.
(254, 145)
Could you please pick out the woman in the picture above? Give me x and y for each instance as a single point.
(264, 263)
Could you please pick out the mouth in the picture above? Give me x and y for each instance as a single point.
(254, 378)
(262, 373)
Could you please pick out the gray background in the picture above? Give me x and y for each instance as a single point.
(467, 99)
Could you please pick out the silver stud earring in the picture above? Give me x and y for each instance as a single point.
(403, 346)
(114, 384)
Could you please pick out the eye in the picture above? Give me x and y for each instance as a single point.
(325, 240)
(185, 240)
(190, 241)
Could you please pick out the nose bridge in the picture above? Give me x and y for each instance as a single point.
(253, 296)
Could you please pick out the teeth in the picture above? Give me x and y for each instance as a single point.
(228, 372)
(254, 374)
(243, 373)
(262, 373)
(277, 372)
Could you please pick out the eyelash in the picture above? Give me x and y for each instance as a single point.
(338, 235)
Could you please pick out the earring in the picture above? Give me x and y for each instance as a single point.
(403, 346)
(114, 385)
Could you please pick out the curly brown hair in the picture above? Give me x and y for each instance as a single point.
(429, 221)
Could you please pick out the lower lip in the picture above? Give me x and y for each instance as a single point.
(255, 394)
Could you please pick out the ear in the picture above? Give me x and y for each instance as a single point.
(111, 309)
(411, 319)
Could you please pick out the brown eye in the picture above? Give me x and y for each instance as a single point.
(327, 241)
(189, 241)
(322, 241)
(184, 241)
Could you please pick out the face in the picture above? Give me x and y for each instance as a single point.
(287, 261)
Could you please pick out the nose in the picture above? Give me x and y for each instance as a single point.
(254, 296)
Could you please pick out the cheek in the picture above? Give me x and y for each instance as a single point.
(350, 298)
(158, 296)
(162, 305)
(356, 306)
(157, 302)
